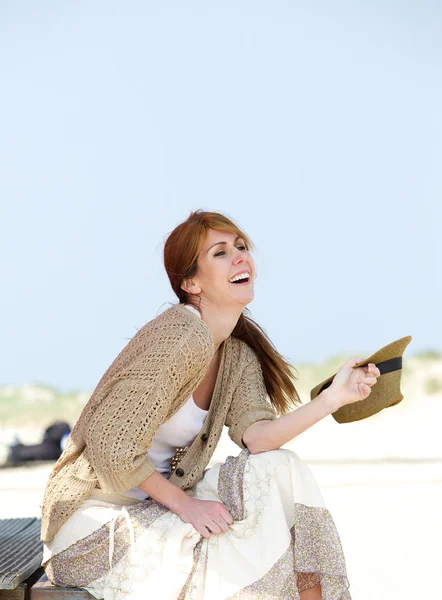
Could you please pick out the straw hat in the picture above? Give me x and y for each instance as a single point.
(385, 392)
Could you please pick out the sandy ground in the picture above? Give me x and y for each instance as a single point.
(388, 513)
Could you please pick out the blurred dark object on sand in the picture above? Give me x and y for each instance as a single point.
(51, 447)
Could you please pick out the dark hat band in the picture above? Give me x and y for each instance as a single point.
(386, 366)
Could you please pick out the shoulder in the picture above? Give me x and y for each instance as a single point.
(244, 355)
(174, 337)
(175, 340)
(172, 328)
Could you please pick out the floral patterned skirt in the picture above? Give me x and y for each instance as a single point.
(283, 540)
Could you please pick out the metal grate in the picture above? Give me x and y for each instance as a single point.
(21, 550)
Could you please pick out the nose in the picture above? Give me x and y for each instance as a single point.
(239, 257)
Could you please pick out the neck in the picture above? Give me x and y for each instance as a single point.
(221, 320)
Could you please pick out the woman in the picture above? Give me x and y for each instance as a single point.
(129, 509)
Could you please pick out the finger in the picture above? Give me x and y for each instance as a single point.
(222, 524)
(204, 531)
(213, 527)
(353, 361)
(364, 390)
(372, 369)
(369, 380)
(226, 516)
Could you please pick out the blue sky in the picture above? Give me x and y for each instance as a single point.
(317, 126)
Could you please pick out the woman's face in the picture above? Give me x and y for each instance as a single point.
(222, 261)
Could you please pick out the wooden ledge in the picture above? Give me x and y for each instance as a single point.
(44, 590)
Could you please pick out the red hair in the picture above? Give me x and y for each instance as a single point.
(181, 252)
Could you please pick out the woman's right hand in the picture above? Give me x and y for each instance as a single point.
(352, 383)
(207, 516)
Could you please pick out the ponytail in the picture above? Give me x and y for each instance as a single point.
(277, 371)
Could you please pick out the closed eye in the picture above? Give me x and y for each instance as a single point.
(222, 252)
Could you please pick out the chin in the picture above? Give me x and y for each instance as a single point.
(247, 299)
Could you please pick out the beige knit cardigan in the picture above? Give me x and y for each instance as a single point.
(148, 382)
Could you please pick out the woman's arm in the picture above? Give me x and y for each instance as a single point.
(206, 516)
(163, 491)
(270, 435)
(118, 428)
(349, 385)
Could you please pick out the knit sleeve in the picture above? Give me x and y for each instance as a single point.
(121, 430)
(250, 402)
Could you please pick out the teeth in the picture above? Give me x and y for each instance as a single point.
(239, 277)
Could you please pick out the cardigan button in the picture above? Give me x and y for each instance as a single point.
(179, 472)
(204, 437)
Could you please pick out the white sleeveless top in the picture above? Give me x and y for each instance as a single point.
(180, 430)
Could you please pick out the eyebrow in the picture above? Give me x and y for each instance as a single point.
(238, 237)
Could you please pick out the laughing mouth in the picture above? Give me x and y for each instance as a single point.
(246, 280)
(241, 277)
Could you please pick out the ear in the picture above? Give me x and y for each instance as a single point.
(190, 287)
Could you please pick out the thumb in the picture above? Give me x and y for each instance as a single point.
(353, 361)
